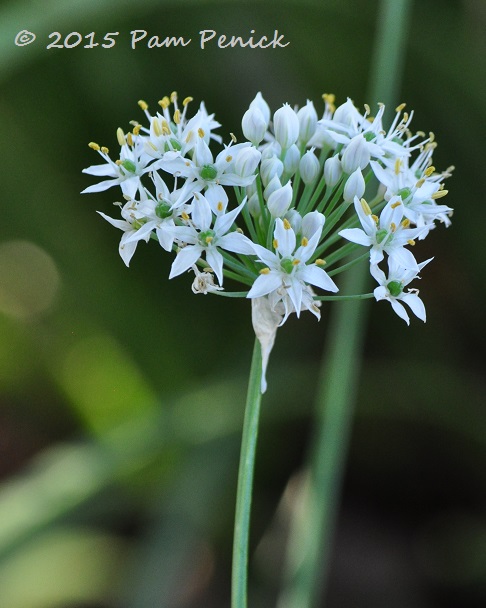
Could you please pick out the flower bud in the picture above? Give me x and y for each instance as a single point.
(279, 201)
(311, 223)
(309, 167)
(347, 114)
(355, 186)
(286, 126)
(271, 150)
(332, 171)
(254, 205)
(307, 122)
(262, 105)
(247, 161)
(273, 185)
(254, 125)
(291, 160)
(270, 168)
(356, 155)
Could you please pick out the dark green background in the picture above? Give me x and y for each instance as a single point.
(121, 393)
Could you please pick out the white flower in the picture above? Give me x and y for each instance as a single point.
(392, 289)
(388, 233)
(286, 275)
(126, 171)
(203, 282)
(307, 122)
(354, 186)
(254, 125)
(286, 126)
(131, 224)
(279, 200)
(309, 167)
(199, 237)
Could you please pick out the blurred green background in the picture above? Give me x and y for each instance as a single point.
(122, 394)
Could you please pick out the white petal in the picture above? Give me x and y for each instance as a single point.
(185, 259)
(416, 305)
(236, 242)
(264, 284)
(215, 260)
(317, 276)
(356, 235)
(404, 258)
(400, 310)
(285, 238)
(201, 212)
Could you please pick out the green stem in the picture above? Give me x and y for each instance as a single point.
(245, 482)
(312, 531)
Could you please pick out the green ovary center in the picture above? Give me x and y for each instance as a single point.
(209, 172)
(395, 288)
(381, 236)
(206, 237)
(162, 210)
(287, 265)
(129, 166)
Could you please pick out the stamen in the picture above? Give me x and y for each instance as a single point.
(365, 207)
(420, 182)
(200, 132)
(120, 136)
(233, 138)
(367, 108)
(411, 242)
(164, 103)
(184, 216)
(157, 127)
(208, 239)
(275, 244)
(393, 226)
(398, 166)
(187, 100)
(286, 224)
(295, 262)
(304, 242)
(320, 262)
(439, 194)
(105, 150)
(177, 117)
(229, 158)
(400, 107)
(265, 271)
(220, 206)
(428, 172)
(94, 146)
(397, 204)
(375, 218)
(173, 96)
(189, 136)
(136, 129)
(405, 223)
(143, 104)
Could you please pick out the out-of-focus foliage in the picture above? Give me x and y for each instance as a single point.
(121, 393)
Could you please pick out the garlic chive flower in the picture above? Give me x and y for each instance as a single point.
(268, 211)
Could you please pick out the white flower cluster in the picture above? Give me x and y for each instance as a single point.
(298, 185)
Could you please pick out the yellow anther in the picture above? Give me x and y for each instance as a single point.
(200, 132)
(398, 166)
(152, 145)
(118, 162)
(393, 226)
(156, 127)
(105, 150)
(420, 182)
(187, 100)
(428, 172)
(365, 207)
(411, 242)
(143, 104)
(229, 158)
(275, 243)
(94, 146)
(164, 103)
(440, 194)
(286, 224)
(208, 239)
(381, 104)
(136, 129)
(177, 116)
(120, 136)
(397, 204)
(375, 218)
(367, 108)
(189, 136)
(173, 96)
(421, 133)
(265, 271)
(405, 222)
(187, 163)
(184, 216)
(400, 107)
(304, 242)
(405, 117)
(431, 137)
(295, 262)
(233, 138)
(320, 262)
(220, 206)
(329, 97)
(239, 230)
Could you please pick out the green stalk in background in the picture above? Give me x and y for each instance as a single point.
(245, 482)
(312, 530)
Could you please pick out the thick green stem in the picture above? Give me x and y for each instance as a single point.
(245, 482)
(313, 527)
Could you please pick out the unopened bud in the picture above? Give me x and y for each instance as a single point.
(270, 168)
(332, 171)
(247, 161)
(254, 125)
(262, 105)
(286, 126)
(273, 185)
(279, 201)
(356, 155)
(307, 122)
(291, 160)
(309, 167)
(355, 186)
(311, 223)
